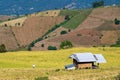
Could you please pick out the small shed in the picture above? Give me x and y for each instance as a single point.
(87, 60)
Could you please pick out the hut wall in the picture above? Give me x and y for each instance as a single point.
(84, 65)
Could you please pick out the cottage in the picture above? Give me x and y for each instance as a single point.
(87, 60)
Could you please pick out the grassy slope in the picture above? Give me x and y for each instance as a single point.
(77, 17)
(18, 64)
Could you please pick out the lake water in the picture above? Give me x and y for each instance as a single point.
(20, 7)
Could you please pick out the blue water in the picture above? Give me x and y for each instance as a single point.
(21, 7)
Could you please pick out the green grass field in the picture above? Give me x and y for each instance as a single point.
(69, 12)
(77, 17)
(18, 65)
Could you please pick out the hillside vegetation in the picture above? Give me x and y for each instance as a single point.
(77, 17)
(18, 65)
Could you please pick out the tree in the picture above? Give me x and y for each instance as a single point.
(42, 45)
(63, 32)
(52, 48)
(2, 48)
(66, 44)
(5, 25)
(67, 17)
(116, 21)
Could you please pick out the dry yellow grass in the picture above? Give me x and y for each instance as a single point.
(18, 65)
(14, 22)
(48, 13)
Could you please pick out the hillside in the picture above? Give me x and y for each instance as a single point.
(89, 27)
(34, 27)
(30, 27)
(96, 30)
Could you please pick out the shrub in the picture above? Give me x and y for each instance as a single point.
(69, 30)
(18, 24)
(5, 25)
(63, 32)
(94, 46)
(116, 21)
(42, 45)
(57, 70)
(52, 48)
(67, 17)
(2, 48)
(65, 44)
(41, 78)
(79, 34)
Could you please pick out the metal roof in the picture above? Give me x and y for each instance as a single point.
(88, 57)
(83, 57)
(99, 58)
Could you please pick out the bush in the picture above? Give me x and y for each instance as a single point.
(79, 34)
(42, 45)
(114, 45)
(116, 21)
(5, 25)
(66, 44)
(63, 32)
(57, 70)
(41, 78)
(69, 30)
(2, 48)
(67, 17)
(52, 48)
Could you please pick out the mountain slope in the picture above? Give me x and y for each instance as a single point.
(28, 28)
(34, 27)
(88, 33)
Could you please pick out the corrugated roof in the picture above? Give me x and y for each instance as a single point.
(83, 57)
(99, 58)
(88, 57)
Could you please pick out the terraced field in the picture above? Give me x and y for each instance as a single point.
(77, 17)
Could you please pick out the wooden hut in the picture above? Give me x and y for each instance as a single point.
(87, 60)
